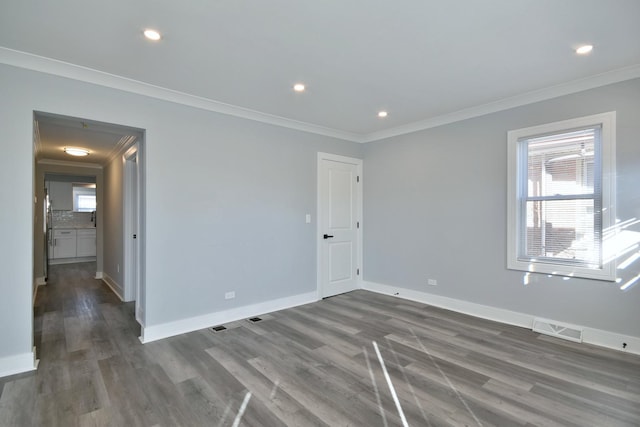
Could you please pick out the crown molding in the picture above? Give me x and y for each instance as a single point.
(68, 163)
(121, 147)
(42, 64)
(556, 91)
(76, 72)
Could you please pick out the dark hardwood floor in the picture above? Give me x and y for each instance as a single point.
(358, 359)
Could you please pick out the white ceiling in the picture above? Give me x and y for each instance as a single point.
(103, 140)
(418, 59)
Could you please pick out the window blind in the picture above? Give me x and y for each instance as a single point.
(562, 198)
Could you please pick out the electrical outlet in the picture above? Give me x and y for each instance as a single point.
(432, 282)
(230, 295)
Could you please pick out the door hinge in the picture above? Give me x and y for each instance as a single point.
(358, 224)
(358, 178)
(357, 271)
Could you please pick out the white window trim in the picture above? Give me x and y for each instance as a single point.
(608, 135)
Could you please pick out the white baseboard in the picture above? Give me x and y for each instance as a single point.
(611, 340)
(16, 364)
(593, 336)
(58, 261)
(460, 306)
(115, 286)
(169, 329)
(39, 281)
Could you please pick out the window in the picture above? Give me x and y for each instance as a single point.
(86, 203)
(84, 198)
(561, 197)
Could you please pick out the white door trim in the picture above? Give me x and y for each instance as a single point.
(319, 231)
(132, 223)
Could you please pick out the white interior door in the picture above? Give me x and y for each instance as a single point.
(339, 224)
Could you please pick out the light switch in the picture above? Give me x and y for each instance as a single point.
(308, 219)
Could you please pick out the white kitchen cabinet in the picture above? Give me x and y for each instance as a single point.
(86, 242)
(64, 243)
(61, 195)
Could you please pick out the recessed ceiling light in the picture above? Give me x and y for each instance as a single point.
(76, 151)
(152, 34)
(299, 87)
(583, 50)
(382, 114)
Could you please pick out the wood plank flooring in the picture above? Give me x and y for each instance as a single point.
(358, 359)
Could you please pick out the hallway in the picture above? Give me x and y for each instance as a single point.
(77, 312)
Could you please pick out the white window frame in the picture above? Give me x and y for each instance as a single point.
(515, 175)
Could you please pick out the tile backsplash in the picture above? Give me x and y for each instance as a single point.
(71, 219)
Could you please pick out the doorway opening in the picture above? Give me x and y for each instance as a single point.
(70, 218)
(85, 218)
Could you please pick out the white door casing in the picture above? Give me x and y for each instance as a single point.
(339, 218)
(132, 286)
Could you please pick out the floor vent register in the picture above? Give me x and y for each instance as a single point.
(558, 329)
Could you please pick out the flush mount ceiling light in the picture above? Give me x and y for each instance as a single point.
(583, 50)
(382, 114)
(152, 34)
(299, 87)
(76, 151)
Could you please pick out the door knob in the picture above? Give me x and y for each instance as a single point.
(326, 236)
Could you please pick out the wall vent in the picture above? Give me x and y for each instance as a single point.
(558, 329)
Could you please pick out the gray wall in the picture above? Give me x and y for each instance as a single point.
(435, 207)
(16, 224)
(226, 200)
(113, 221)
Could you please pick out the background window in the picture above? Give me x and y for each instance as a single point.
(84, 198)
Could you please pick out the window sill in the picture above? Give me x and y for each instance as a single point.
(607, 273)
